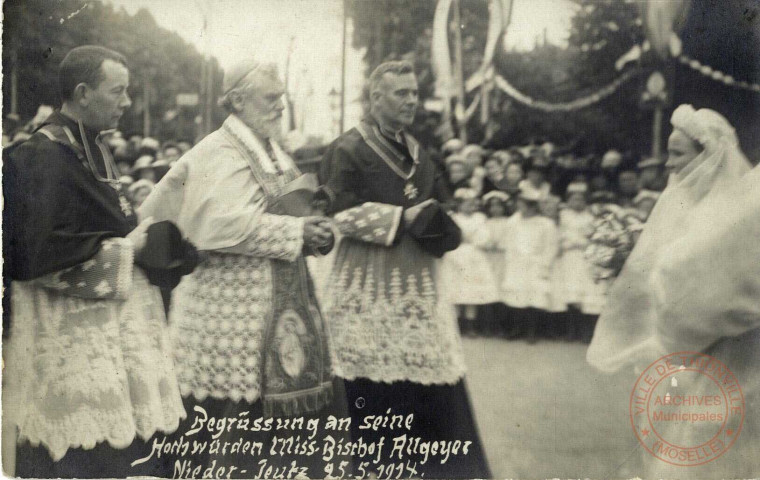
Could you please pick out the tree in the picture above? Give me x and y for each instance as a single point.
(404, 31)
(38, 33)
(546, 73)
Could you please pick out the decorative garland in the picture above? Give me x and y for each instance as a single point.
(717, 75)
(577, 104)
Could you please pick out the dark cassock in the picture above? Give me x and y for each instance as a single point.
(89, 377)
(394, 337)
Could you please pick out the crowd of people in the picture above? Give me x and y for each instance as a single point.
(96, 377)
(527, 218)
(142, 161)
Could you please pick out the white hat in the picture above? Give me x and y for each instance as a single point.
(465, 194)
(611, 159)
(650, 162)
(146, 161)
(454, 145)
(498, 194)
(143, 183)
(646, 195)
(473, 149)
(126, 180)
(456, 158)
(151, 143)
(577, 187)
(705, 126)
(529, 192)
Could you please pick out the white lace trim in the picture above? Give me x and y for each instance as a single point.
(218, 319)
(394, 333)
(84, 371)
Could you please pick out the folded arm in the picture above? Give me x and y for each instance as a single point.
(107, 275)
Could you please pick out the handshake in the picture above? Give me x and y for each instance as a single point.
(317, 232)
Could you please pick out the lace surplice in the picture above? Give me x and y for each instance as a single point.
(83, 370)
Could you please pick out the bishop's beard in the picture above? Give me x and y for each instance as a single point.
(268, 126)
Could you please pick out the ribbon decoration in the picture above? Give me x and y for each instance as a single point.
(573, 105)
(717, 75)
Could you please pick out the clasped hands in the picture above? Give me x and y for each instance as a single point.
(317, 232)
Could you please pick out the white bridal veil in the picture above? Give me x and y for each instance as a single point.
(630, 330)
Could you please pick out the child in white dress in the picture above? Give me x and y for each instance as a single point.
(470, 281)
(531, 246)
(551, 207)
(579, 290)
(495, 206)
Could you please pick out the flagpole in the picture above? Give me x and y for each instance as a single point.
(458, 75)
(343, 71)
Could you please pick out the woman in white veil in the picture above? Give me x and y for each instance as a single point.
(704, 159)
(692, 283)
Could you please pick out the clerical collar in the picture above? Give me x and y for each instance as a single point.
(74, 125)
(397, 136)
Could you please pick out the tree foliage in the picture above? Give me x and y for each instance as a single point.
(601, 31)
(37, 35)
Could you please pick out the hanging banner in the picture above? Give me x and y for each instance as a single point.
(439, 53)
(662, 19)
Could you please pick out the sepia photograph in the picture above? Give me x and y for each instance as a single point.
(382, 239)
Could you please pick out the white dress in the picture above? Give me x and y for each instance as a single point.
(468, 277)
(531, 247)
(576, 272)
(494, 249)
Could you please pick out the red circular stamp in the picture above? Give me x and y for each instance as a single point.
(687, 408)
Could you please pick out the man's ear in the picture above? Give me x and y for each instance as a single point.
(82, 94)
(237, 101)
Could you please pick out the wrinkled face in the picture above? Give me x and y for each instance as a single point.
(493, 169)
(457, 172)
(104, 105)
(260, 104)
(628, 182)
(576, 201)
(395, 100)
(514, 173)
(682, 149)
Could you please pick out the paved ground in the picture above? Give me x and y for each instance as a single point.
(544, 413)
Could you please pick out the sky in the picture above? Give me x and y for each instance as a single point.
(312, 30)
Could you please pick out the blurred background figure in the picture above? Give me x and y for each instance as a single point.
(471, 282)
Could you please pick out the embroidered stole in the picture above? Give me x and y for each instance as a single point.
(393, 157)
(62, 135)
(296, 366)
